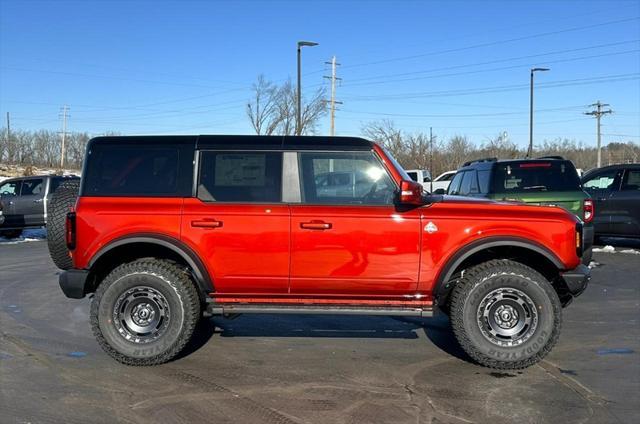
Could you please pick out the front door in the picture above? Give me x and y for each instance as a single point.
(601, 187)
(9, 192)
(347, 236)
(30, 203)
(238, 223)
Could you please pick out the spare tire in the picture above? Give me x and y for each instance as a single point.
(62, 200)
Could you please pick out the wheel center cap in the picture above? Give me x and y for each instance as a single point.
(506, 316)
(142, 314)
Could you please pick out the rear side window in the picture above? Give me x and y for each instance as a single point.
(631, 181)
(602, 181)
(535, 176)
(240, 177)
(11, 188)
(32, 187)
(137, 170)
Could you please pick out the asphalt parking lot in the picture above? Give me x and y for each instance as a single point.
(312, 369)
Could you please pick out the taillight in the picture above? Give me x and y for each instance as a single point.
(588, 210)
(70, 231)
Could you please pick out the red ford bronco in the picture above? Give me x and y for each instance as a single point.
(164, 230)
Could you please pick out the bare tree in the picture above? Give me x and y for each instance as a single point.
(273, 109)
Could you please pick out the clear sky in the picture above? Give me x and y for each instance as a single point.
(462, 67)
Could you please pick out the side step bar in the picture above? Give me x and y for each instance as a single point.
(233, 309)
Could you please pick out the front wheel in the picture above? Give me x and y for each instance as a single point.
(505, 315)
(144, 312)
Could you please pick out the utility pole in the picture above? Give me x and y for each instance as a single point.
(333, 101)
(598, 114)
(431, 159)
(65, 111)
(8, 128)
(301, 44)
(533, 70)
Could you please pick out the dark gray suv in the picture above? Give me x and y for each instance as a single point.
(23, 202)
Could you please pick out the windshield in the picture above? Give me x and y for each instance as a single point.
(532, 176)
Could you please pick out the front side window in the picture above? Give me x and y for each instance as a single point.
(11, 188)
(345, 178)
(32, 187)
(454, 186)
(240, 177)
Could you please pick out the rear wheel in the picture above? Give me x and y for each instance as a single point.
(505, 315)
(145, 312)
(62, 200)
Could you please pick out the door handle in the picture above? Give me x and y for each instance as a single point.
(206, 223)
(316, 225)
(37, 201)
(11, 202)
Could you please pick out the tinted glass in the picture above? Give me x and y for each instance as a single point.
(132, 171)
(240, 177)
(10, 188)
(413, 175)
(345, 179)
(483, 181)
(454, 186)
(55, 183)
(469, 183)
(32, 187)
(535, 176)
(446, 177)
(602, 181)
(631, 180)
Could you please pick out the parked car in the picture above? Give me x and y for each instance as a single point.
(162, 239)
(24, 202)
(615, 191)
(421, 176)
(441, 182)
(549, 181)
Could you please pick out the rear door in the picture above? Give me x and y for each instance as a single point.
(626, 204)
(601, 186)
(238, 223)
(354, 242)
(30, 203)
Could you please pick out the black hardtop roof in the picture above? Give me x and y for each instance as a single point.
(244, 142)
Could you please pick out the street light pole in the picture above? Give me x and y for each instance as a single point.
(530, 150)
(299, 94)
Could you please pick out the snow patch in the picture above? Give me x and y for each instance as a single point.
(631, 251)
(607, 249)
(593, 264)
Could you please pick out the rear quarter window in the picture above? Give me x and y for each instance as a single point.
(138, 170)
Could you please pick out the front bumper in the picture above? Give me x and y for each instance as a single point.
(577, 279)
(74, 283)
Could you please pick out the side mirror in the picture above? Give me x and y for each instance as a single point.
(440, 191)
(410, 193)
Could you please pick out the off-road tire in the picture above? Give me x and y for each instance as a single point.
(10, 234)
(182, 305)
(62, 200)
(466, 303)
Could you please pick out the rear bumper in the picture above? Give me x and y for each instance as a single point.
(74, 283)
(577, 279)
(588, 235)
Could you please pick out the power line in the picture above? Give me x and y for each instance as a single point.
(503, 88)
(493, 43)
(598, 113)
(490, 62)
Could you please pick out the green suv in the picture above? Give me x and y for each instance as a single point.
(549, 180)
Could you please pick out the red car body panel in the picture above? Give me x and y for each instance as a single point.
(298, 253)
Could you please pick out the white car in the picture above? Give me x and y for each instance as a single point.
(440, 182)
(421, 176)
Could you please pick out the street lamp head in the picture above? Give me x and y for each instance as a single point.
(306, 44)
(539, 69)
